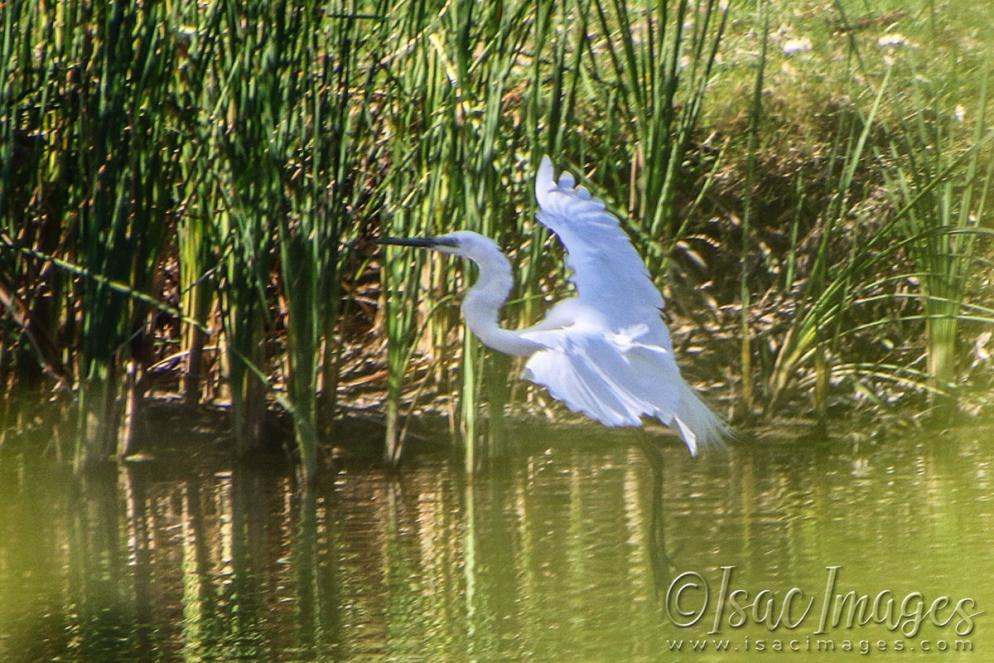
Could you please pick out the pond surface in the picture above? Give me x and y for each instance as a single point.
(570, 548)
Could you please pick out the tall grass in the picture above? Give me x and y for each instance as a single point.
(195, 186)
(249, 153)
(943, 188)
(662, 56)
(196, 233)
(91, 119)
(319, 141)
(755, 117)
(827, 293)
(408, 192)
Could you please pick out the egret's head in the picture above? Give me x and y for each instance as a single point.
(463, 243)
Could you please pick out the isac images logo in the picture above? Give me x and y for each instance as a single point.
(820, 621)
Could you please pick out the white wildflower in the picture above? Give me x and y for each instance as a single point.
(792, 46)
(891, 40)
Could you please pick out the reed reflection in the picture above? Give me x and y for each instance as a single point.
(553, 549)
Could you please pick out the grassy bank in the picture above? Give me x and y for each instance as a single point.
(190, 194)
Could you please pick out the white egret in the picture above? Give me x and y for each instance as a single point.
(606, 352)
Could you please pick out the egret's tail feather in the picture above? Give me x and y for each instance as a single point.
(697, 423)
(619, 384)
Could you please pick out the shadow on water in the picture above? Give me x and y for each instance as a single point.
(566, 547)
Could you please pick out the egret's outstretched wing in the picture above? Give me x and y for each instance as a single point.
(607, 353)
(608, 273)
(617, 380)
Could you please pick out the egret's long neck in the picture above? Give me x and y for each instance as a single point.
(483, 303)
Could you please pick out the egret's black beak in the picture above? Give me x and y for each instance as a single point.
(423, 242)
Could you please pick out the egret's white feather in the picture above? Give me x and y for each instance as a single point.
(630, 355)
(617, 381)
(607, 271)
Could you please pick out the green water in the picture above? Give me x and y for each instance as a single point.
(569, 549)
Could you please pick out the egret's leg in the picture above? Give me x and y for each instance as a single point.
(661, 564)
(653, 454)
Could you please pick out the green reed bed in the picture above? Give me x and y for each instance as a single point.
(943, 186)
(826, 293)
(103, 206)
(190, 194)
(197, 235)
(662, 56)
(288, 150)
(320, 140)
(407, 193)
